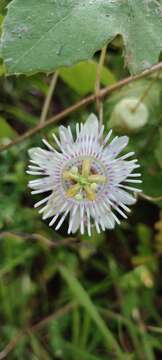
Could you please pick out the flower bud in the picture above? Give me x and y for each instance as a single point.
(129, 116)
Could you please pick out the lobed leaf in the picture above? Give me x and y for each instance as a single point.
(42, 35)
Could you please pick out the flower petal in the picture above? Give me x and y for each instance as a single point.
(123, 196)
(75, 221)
(120, 170)
(115, 147)
(66, 137)
(109, 221)
(55, 205)
(45, 159)
(91, 126)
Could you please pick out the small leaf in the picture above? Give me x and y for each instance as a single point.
(73, 350)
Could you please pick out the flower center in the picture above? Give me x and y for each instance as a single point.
(82, 182)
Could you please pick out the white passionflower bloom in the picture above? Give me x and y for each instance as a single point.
(86, 180)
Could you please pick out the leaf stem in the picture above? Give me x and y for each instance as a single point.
(145, 93)
(99, 105)
(48, 98)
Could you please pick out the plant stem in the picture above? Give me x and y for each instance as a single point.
(48, 98)
(150, 198)
(97, 85)
(86, 101)
(34, 328)
(145, 93)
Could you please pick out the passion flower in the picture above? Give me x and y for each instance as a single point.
(84, 178)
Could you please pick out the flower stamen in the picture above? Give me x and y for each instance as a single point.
(99, 179)
(86, 167)
(69, 175)
(73, 190)
(86, 182)
(91, 195)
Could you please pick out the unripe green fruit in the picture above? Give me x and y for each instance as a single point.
(129, 116)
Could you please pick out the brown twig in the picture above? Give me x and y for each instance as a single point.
(48, 98)
(34, 328)
(70, 242)
(86, 101)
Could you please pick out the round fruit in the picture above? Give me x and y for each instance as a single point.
(129, 116)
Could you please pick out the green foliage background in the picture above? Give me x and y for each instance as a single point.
(76, 299)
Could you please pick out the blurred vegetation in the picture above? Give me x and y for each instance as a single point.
(63, 298)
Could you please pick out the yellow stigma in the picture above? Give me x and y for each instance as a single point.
(85, 183)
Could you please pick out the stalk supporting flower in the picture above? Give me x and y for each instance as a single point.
(84, 178)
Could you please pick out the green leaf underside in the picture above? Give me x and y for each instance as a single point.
(42, 35)
(82, 76)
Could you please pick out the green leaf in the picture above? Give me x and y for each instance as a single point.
(84, 300)
(2, 69)
(81, 77)
(158, 151)
(72, 350)
(136, 278)
(5, 129)
(152, 183)
(43, 35)
(20, 259)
